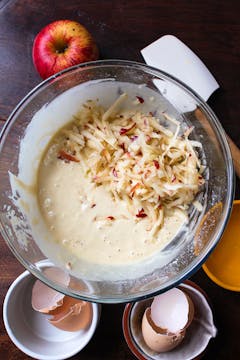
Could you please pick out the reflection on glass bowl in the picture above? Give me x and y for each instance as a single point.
(58, 98)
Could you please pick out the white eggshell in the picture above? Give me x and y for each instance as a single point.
(170, 310)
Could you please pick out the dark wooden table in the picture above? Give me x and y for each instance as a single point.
(121, 28)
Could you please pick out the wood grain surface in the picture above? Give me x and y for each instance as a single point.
(121, 28)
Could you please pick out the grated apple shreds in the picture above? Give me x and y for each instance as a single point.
(136, 159)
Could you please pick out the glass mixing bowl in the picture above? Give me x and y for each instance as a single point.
(162, 93)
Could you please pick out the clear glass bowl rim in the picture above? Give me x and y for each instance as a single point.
(198, 261)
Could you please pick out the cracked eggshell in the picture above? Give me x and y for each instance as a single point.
(44, 298)
(31, 331)
(155, 337)
(68, 314)
(172, 312)
(73, 315)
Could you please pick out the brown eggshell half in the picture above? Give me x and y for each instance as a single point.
(45, 299)
(73, 315)
(161, 340)
(156, 340)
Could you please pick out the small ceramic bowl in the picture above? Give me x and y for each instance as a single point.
(223, 265)
(32, 333)
(197, 337)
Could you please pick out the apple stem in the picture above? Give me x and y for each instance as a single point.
(62, 50)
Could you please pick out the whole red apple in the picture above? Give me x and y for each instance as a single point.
(62, 44)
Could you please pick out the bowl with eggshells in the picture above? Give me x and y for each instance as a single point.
(119, 175)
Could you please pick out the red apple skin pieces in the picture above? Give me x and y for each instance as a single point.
(62, 44)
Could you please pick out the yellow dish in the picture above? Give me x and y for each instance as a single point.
(223, 265)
